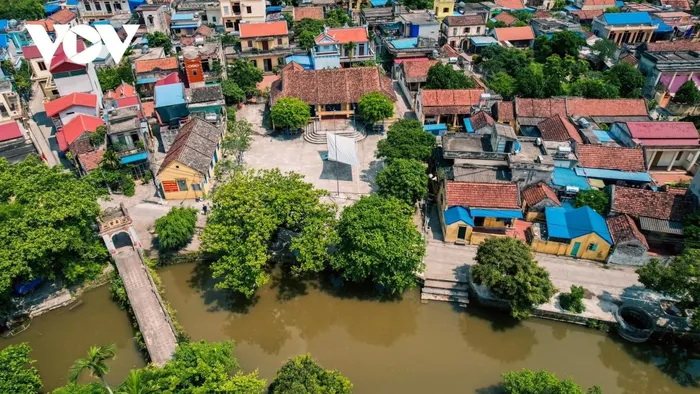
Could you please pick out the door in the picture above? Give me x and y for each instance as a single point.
(267, 64)
(266, 45)
(108, 7)
(574, 251)
(462, 233)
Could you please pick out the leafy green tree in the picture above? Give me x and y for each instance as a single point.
(176, 229)
(406, 139)
(613, 10)
(158, 39)
(691, 230)
(378, 242)
(592, 86)
(374, 107)
(561, 43)
(605, 47)
(626, 76)
(679, 279)
(443, 76)
(290, 113)
(97, 138)
(530, 81)
(419, 4)
(688, 94)
(21, 77)
(505, 265)
(405, 179)
(492, 25)
(313, 26)
(349, 48)
(245, 75)
(250, 211)
(74, 388)
(573, 301)
(95, 363)
(598, 200)
(230, 40)
(22, 9)
(503, 84)
(307, 39)
(111, 77)
(509, 60)
(527, 381)
(233, 94)
(239, 134)
(17, 371)
(47, 220)
(302, 375)
(338, 17)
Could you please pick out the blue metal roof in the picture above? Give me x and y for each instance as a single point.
(571, 8)
(600, 173)
(3, 24)
(185, 26)
(99, 23)
(481, 41)
(71, 2)
(663, 28)
(182, 17)
(134, 158)
(3, 40)
(456, 214)
(134, 4)
(573, 223)
(378, 3)
(302, 60)
(496, 213)
(627, 18)
(140, 81)
(563, 177)
(603, 136)
(405, 43)
(436, 129)
(468, 125)
(51, 8)
(167, 95)
(273, 8)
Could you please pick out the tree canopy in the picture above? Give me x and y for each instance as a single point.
(22, 9)
(248, 213)
(444, 76)
(627, 78)
(419, 4)
(338, 17)
(505, 265)
(112, 77)
(527, 381)
(406, 139)
(47, 221)
(17, 371)
(688, 94)
(290, 112)
(302, 375)
(158, 39)
(503, 84)
(598, 200)
(245, 75)
(405, 179)
(94, 363)
(176, 229)
(561, 43)
(378, 242)
(233, 94)
(605, 47)
(374, 107)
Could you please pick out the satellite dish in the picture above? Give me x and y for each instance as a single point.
(12, 23)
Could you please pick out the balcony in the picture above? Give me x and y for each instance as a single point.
(102, 12)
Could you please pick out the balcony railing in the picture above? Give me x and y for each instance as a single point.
(103, 12)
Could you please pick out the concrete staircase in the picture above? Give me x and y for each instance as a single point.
(314, 135)
(444, 290)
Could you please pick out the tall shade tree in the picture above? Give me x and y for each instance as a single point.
(245, 75)
(237, 139)
(505, 265)
(374, 107)
(526, 381)
(233, 94)
(176, 229)
(688, 94)
(405, 179)
(530, 81)
(95, 363)
(22, 9)
(158, 39)
(444, 76)
(605, 48)
(378, 242)
(503, 84)
(594, 87)
(561, 43)
(47, 221)
(338, 17)
(290, 113)
(626, 76)
(17, 371)
(112, 77)
(406, 139)
(598, 200)
(250, 211)
(302, 375)
(419, 4)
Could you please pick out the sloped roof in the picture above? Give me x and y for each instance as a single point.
(122, 91)
(47, 23)
(63, 16)
(534, 194)
(664, 133)
(514, 33)
(482, 195)
(308, 13)
(10, 131)
(505, 111)
(75, 128)
(331, 86)
(166, 63)
(572, 223)
(506, 18)
(343, 35)
(678, 4)
(623, 229)
(194, 146)
(251, 30)
(673, 46)
(169, 79)
(545, 108)
(418, 70)
(481, 119)
(627, 18)
(451, 97)
(465, 20)
(91, 160)
(53, 107)
(558, 128)
(60, 62)
(511, 4)
(646, 203)
(609, 3)
(204, 94)
(611, 158)
(31, 52)
(587, 14)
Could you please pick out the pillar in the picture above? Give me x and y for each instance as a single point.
(652, 156)
(107, 238)
(673, 161)
(134, 237)
(694, 161)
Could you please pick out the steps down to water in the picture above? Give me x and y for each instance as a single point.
(447, 291)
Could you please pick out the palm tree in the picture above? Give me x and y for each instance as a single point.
(95, 363)
(134, 384)
(349, 48)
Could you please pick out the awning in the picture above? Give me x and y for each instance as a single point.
(468, 125)
(661, 226)
(140, 81)
(613, 174)
(436, 129)
(496, 213)
(134, 158)
(190, 26)
(563, 177)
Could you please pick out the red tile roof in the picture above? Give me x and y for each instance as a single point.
(482, 195)
(91, 160)
(646, 203)
(506, 18)
(60, 62)
(331, 86)
(10, 131)
(611, 158)
(514, 33)
(266, 29)
(610, 3)
(53, 107)
(465, 20)
(451, 97)
(678, 4)
(169, 79)
(664, 133)
(587, 14)
(344, 35)
(418, 70)
(558, 128)
(481, 119)
(673, 46)
(127, 102)
(505, 111)
(447, 51)
(48, 24)
(542, 14)
(623, 229)
(75, 128)
(545, 108)
(308, 13)
(122, 91)
(630, 58)
(512, 4)
(63, 16)
(166, 63)
(31, 52)
(534, 194)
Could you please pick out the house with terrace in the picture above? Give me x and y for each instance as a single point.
(574, 232)
(667, 146)
(151, 70)
(594, 4)
(470, 212)
(74, 137)
(455, 31)
(130, 136)
(63, 109)
(123, 96)
(666, 68)
(602, 165)
(343, 46)
(184, 24)
(411, 75)
(520, 37)
(206, 102)
(40, 71)
(170, 103)
(330, 93)
(10, 103)
(15, 143)
(69, 77)
(625, 28)
(200, 63)
(448, 107)
(264, 44)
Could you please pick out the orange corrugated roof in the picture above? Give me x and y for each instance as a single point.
(515, 33)
(511, 4)
(48, 24)
(250, 30)
(308, 13)
(344, 35)
(167, 63)
(53, 107)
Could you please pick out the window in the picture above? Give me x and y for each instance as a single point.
(280, 61)
(462, 232)
(466, 30)
(478, 222)
(478, 29)
(226, 10)
(592, 247)
(279, 41)
(255, 63)
(197, 187)
(213, 19)
(87, 6)
(229, 24)
(445, 10)
(117, 6)
(194, 72)
(250, 43)
(98, 7)
(249, 10)
(3, 111)
(236, 9)
(42, 66)
(181, 185)
(454, 31)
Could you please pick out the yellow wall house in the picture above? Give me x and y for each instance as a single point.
(474, 211)
(444, 8)
(264, 44)
(188, 168)
(579, 232)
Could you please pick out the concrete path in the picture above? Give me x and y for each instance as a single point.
(40, 127)
(152, 319)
